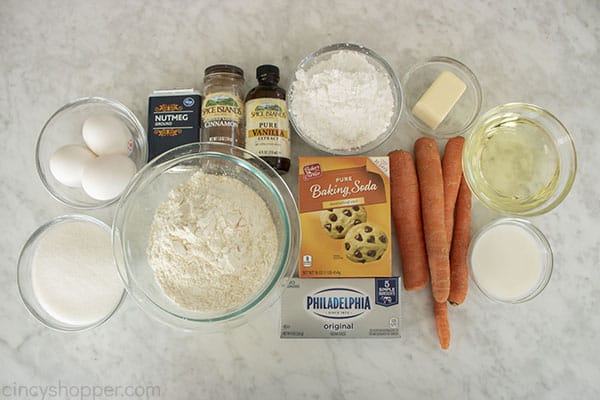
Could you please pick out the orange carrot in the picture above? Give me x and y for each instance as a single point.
(452, 171)
(431, 189)
(440, 310)
(406, 212)
(459, 272)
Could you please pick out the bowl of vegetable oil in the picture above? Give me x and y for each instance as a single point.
(519, 160)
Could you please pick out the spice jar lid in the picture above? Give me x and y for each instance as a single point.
(224, 68)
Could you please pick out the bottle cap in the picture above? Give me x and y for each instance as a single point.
(226, 68)
(266, 70)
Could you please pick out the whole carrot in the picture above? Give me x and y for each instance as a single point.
(440, 311)
(406, 212)
(452, 171)
(459, 271)
(431, 189)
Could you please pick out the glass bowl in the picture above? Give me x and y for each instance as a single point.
(519, 160)
(151, 186)
(64, 128)
(501, 286)
(311, 63)
(25, 278)
(460, 118)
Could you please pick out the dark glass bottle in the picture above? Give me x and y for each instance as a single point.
(267, 125)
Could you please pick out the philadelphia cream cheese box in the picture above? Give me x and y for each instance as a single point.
(341, 308)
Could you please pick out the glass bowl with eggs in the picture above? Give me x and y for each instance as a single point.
(206, 236)
(344, 99)
(88, 150)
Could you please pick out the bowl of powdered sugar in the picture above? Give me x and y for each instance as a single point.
(344, 99)
(206, 236)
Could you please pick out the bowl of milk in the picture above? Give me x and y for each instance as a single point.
(510, 260)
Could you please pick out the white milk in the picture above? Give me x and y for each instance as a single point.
(507, 262)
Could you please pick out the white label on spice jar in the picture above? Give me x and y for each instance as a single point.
(222, 109)
(267, 128)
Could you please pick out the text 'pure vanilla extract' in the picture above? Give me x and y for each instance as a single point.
(267, 124)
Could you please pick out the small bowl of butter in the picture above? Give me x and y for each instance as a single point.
(442, 96)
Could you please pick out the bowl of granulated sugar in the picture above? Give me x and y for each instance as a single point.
(344, 99)
(206, 237)
(66, 274)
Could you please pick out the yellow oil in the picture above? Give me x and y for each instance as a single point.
(515, 163)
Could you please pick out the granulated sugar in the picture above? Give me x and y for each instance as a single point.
(343, 102)
(73, 274)
(212, 243)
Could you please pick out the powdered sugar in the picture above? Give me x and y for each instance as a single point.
(212, 243)
(343, 102)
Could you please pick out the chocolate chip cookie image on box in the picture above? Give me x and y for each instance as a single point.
(338, 221)
(365, 243)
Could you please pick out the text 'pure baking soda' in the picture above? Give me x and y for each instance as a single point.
(344, 205)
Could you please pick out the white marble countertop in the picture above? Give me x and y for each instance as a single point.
(546, 53)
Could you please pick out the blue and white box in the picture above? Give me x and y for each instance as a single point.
(341, 308)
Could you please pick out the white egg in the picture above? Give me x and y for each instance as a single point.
(105, 177)
(68, 162)
(106, 134)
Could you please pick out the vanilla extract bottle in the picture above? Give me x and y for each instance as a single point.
(267, 125)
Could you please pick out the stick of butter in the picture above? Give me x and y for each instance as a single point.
(438, 100)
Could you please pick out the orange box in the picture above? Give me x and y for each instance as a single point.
(344, 205)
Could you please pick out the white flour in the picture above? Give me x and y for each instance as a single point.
(212, 243)
(343, 102)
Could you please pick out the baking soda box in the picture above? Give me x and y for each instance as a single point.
(344, 205)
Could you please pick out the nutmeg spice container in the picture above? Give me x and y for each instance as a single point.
(173, 120)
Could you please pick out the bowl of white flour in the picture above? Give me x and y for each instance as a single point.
(206, 236)
(344, 99)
